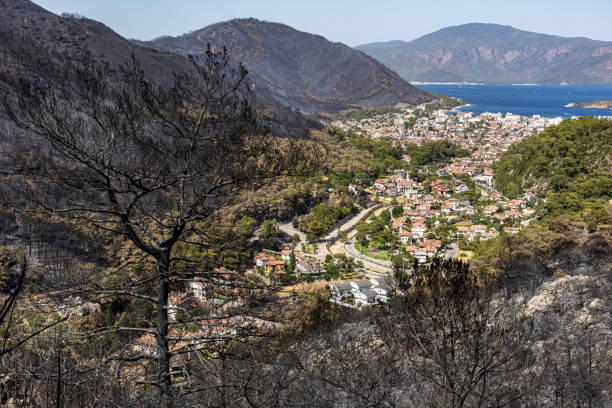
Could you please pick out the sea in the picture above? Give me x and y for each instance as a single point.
(526, 100)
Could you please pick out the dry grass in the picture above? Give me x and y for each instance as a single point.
(466, 255)
(308, 287)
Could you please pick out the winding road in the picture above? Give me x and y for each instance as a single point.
(373, 268)
(372, 264)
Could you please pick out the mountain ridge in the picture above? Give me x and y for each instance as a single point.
(32, 37)
(494, 53)
(298, 69)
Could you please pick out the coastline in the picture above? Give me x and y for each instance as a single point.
(471, 83)
(445, 83)
(456, 108)
(545, 101)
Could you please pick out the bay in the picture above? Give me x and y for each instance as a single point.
(526, 100)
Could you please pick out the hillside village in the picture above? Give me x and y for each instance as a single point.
(442, 211)
(486, 135)
(436, 214)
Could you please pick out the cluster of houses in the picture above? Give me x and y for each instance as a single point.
(424, 206)
(487, 136)
(469, 130)
(425, 249)
(362, 292)
(276, 265)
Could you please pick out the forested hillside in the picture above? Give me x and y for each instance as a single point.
(570, 164)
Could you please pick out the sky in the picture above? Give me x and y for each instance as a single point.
(352, 22)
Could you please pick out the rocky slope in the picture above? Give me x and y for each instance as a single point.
(298, 69)
(490, 53)
(561, 345)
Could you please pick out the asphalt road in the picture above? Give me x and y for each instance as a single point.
(372, 264)
(322, 252)
(350, 223)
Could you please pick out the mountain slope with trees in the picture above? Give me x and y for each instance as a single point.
(300, 70)
(569, 163)
(492, 53)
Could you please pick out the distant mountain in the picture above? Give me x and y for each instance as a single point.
(32, 37)
(491, 53)
(298, 69)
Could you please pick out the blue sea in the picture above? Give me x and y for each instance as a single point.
(526, 100)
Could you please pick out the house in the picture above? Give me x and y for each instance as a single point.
(411, 194)
(447, 208)
(262, 258)
(398, 223)
(528, 211)
(286, 254)
(471, 236)
(436, 244)
(490, 210)
(383, 291)
(484, 179)
(380, 183)
(308, 266)
(513, 214)
(499, 217)
(478, 229)
(268, 263)
(405, 237)
(512, 230)
(341, 290)
(420, 254)
(224, 276)
(453, 203)
(367, 297)
(418, 230)
(461, 188)
(393, 192)
(275, 266)
(360, 286)
(488, 235)
(198, 289)
(387, 280)
(463, 230)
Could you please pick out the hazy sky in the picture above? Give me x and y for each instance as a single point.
(352, 22)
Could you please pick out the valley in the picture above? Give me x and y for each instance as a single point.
(251, 215)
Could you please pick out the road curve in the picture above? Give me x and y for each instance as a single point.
(376, 265)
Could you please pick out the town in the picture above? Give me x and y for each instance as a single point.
(443, 211)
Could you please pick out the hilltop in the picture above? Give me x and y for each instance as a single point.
(298, 69)
(33, 35)
(491, 53)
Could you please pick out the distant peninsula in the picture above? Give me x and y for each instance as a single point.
(598, 104)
